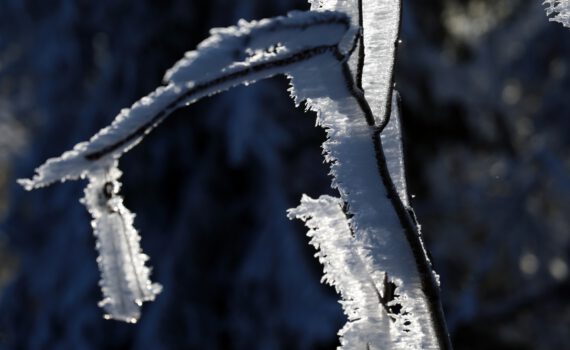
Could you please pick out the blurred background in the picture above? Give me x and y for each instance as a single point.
(485, 87)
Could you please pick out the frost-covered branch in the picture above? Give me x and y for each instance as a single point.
(558, 11)
(372, 65)
(376, 257)
(231, 56)
(368, 213)
(125, 279)
(346, 270)
(384, 238)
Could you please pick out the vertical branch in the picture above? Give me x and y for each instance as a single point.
(430, 286)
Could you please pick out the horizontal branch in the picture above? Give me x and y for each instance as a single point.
(212, 87)
(236, 55)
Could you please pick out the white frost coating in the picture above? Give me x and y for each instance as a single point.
(232, 56)
(125, 279)
(381, 21)
(72, 164)
(558, 11)
(393, 150)
(350, 7)
(345, 270)
(310, 48)
(379, 235)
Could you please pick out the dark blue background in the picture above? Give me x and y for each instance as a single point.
(485, 94)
